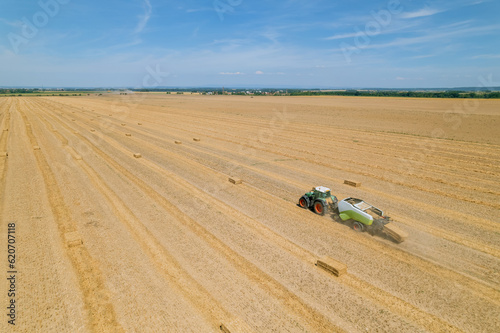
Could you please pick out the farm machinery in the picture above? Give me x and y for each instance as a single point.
(360, 214)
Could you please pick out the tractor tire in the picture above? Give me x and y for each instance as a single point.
(319, 207)
(358, 226)
(303, 203)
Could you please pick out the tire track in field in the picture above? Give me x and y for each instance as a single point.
(401, 173)
(451, 237)
(486, 191)
(181, 112)
(5, 127)
(454, 149)
(454, 161)
(163, 261)
(393, 142)
(290, 300)
(327, 132)
(261, 193)
(447, 234)
(434, 179)
(431, 178)
(394, 304)
(430, 266)
(100, 311)
(398, 254)
(435, 231)
(314, 160)
(371, 166)
(4, 136)
(379, 296)
(490, 225)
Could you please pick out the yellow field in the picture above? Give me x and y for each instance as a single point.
(109, 242)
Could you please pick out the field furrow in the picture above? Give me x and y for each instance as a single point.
(164, 240)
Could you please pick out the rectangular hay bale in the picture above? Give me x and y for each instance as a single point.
(178, 142)
(73, 239)
(128, 134)
(36, 147)
(235, 181)
(139, 123)
(124, 124)
(352, 183)
(4, 154)
(137, 155)
(332, 266)
(196, 139)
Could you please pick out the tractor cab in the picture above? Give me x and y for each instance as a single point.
(324, 193)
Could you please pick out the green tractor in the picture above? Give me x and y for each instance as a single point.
(360, 214)
(320, 200)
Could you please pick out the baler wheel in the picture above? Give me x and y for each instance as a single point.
(357, 226)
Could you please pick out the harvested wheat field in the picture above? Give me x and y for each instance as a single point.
(125, 218)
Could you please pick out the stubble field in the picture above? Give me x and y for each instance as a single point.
(106, 242)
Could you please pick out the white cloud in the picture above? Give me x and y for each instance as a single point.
(396, 27)
(228, 73)
(456, 24)
(143, 19)
(15, 24)
(423, 56)
(487, 56)
(342, 36)
(427, 11)
(195, 10)
(431, 37)
(421, 13)
(259, 72)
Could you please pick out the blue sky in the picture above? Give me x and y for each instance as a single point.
(292, 43)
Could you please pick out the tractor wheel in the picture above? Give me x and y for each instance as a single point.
(303, 202)
(357, 226)
(319, 207)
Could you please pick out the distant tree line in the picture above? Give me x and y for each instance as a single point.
(394, 93)
(37, 91)
(18, 91)
(484, 94)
